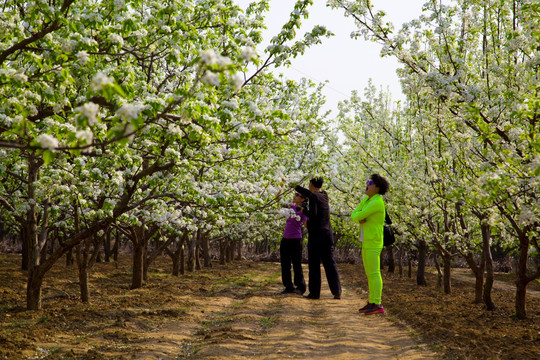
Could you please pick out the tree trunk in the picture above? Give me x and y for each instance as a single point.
(400, 260)
(228, 250)
(107, 246)
(198, 255)
(478, 272)
(182, 259)
(522, 280)
(82, 265)
(191, 253)
(116, 246)
(222, 251)
(409, 263)
(239, 250)
(137, 238)
(488, 261)
(439, 272)
(33, 289)
(391, 262)
(138, 265)
(206, 250)
(421, 271)
(69, 258)
(447, 261)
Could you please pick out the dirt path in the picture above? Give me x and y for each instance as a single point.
(267, 325)
(467, 276)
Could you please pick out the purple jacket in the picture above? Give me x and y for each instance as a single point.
(293, 227)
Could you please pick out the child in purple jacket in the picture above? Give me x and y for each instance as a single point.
(290, 249)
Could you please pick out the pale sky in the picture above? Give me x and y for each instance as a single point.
(346, 63)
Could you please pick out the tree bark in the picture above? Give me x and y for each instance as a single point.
(107, 247)
(137, 237)
(391, 262)
(206, 250)
(239, 250)
(222, 251)
(33, 289)
(438, 266)
(400, 260)
(478, 272)
(447, 262)
(421, 271)
(82, 265)
(522, 279)
(198, 251)
(488, 261)
(191, 253)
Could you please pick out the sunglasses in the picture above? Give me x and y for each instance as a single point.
(369, 182)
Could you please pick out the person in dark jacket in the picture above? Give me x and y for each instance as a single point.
(320, 240)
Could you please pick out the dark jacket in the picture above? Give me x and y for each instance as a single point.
(318, 213)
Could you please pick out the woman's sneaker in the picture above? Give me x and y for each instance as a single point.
(365, 308)
(374, 309)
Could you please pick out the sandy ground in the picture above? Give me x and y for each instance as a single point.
(299, 328)
(236, 311)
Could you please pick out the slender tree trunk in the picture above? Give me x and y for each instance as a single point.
(82, 265)
(107, 246)
(522, 280)
(228, 250)
(400, 260)
(116, 246)
(191, 253)
(447, 262)
(439, 272)
(230, 255)
(478, 272)
(222, 251)
(488, 261)
(198, 251)
(409, 263)
(239, 244)
(182, 258)
(69, 258)
(138, 264)
(206, 250)
(137, 238)
(421, 271)
(391, 262)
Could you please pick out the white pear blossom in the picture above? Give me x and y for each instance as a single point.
(85, 136)
(248, 53)
(238, 81)
(100, 81)
(83, 57)
(47, 141)
(211, 78)
(129, 111)
(89, 111)
(116, 39)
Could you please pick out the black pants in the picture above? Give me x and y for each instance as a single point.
(290, 251)
(321, 249)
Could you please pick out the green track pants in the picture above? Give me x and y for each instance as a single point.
(372, 266)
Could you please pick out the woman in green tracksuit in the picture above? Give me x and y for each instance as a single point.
(370, 215)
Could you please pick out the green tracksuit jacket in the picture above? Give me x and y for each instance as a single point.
(373, 211)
